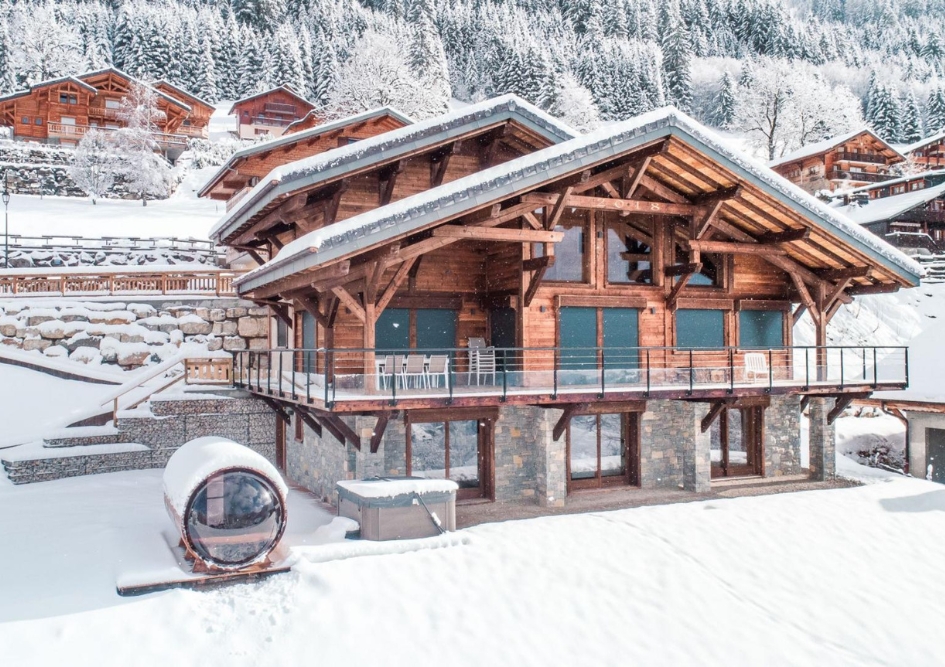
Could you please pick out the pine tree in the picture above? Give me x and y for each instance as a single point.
(726, 101)
(7, 78)
(252, 73)
(935, 111)
(324, 71)
(426, 55)
(263, 15)
(883, 114)
(677, 56)
(911, 123)
(285, 62)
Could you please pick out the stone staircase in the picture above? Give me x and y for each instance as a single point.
(145, 437)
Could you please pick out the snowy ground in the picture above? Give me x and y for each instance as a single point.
(848, 576)
(183, 215)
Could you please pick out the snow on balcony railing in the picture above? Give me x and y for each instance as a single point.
(95, 281)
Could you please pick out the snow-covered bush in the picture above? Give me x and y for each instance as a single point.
(96, 164)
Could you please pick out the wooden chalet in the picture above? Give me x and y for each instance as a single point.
(847, 161)
(197, 123)
(485, 298)
(61, 111)
(269, 113)
(926, 154)
(907, 212)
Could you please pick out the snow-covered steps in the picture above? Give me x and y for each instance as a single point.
(83, 436)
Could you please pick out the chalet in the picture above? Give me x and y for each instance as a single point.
(269, 113)
(485, 297)
(61, 111)
(928, 153)
(197, 123)
(847, 161)
(908, 212)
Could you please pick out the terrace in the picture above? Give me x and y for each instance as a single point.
(335, 380)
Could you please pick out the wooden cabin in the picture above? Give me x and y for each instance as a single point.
(926, 154)
(907, 212)
(61, 111)
(486, 298)
(197, 122)
(269, 113)
(847, 161)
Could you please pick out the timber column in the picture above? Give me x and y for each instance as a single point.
(823, 461)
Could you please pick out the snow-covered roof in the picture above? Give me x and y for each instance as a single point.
(932, 139)
(308, 171)
(891, 181)
(165, 82)
(823, 146)
(125, 75)
(286, 89)
(48, 82)
(296, 137)
(885, 208)
(379, 112)
(477, 190)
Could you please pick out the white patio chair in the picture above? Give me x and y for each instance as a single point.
(756, 366)
(474, 345)
(397, 370)
(414, 368)
(439, 366)
(388, 371)
(486, 365)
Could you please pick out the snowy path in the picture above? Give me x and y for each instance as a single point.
(847, 576)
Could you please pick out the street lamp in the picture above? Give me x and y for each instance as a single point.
(6, 224)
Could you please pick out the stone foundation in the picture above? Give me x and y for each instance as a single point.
(674, 452)
(783, 436)
(823, 443)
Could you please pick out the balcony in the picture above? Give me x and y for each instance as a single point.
(857, 176)
(193, 131)
(67, 131)
(337, 379)
(103, 112)
(277, 108)
(847, 156)
(269, 121)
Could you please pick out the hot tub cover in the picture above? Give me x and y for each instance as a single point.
(384, 487)
(197, 460)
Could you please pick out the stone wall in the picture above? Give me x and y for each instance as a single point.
(317, 463)
(783, 436)
(131, 334)
(664, 429)
(37, 169)
(823, 444)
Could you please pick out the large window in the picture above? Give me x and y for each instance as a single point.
(761, 328)
(584, 329)
(700, 328)
(456, 449)
(421, 329)
(628, 258)
(569, 254)
(602, 450)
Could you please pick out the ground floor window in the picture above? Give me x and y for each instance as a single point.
(603, 450)
(738, 442)
(455, 446)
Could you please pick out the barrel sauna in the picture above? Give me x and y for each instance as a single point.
(227, 502)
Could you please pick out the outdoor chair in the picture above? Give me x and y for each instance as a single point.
(439, 366)
(474, 345)
(756, 366)
(388, 372)
(486, 365)
(414, 368)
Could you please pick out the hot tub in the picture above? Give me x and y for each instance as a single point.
(399, 508)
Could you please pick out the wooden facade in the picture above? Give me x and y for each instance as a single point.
(61, 111)
(850, 161)
(269, 113)
(646, 266)
(927, 154)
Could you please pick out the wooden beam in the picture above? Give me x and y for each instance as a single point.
(330, 426)
(276, 407)
(402, 272)
(491, 146)
(797, 314)
(536, 263)
(331, 313)
(559, 203)
(280, 310)
(386, 181)
(842, 403)
(805, 400)
(332, 203)
(712, 198)
(609, 204)
(534, 284)
(379, 427)
(498, 234)
(805, 296)
(858, 290)
(310, 421)
(252, 252)
(350, 302)
(677, 288)
(311, 307)
(682, 269)
(344, 429)
(440, 161)
(733, 248)
(772, 238)
(836, 292)
(562, 424)
(840, 274)
(532, 221)
(714, 412)
(703, 223)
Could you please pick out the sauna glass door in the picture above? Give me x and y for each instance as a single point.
(458, 450)
(602, 450)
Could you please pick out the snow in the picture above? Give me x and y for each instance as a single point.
(389, 488)
(905, 149)
(888, 207)
(858, 583)
(480, 183)
(36, 450)
(194, 462)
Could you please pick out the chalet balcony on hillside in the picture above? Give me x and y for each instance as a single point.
(847, 156)
(339, 380)
(69, 131)
(859, 176)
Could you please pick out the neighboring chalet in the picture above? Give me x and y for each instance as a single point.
(485, 297)
(928, 153)
(61, 111)
(847, 161)
(908, 212)
(269, 113)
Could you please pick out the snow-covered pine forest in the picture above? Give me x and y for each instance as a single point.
(819, 66)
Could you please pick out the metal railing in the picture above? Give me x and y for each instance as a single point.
(357, 374)
(851, 156)
(112, 282)
(863, 176)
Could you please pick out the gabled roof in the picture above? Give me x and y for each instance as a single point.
(373, 113)
(283, 88)
(304, 135)
(45, 84)
(309, 171)
(131, 79)
(933, 139)
(412, 214)
(886, 208)
(819, 147)
(181, 91)
(932, 173)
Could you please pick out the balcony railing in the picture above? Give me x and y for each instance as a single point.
(79, 131)
(861, 176)
(861, 157)
(276, 107)
(271, 122)
(101, 281)
(331, 378)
